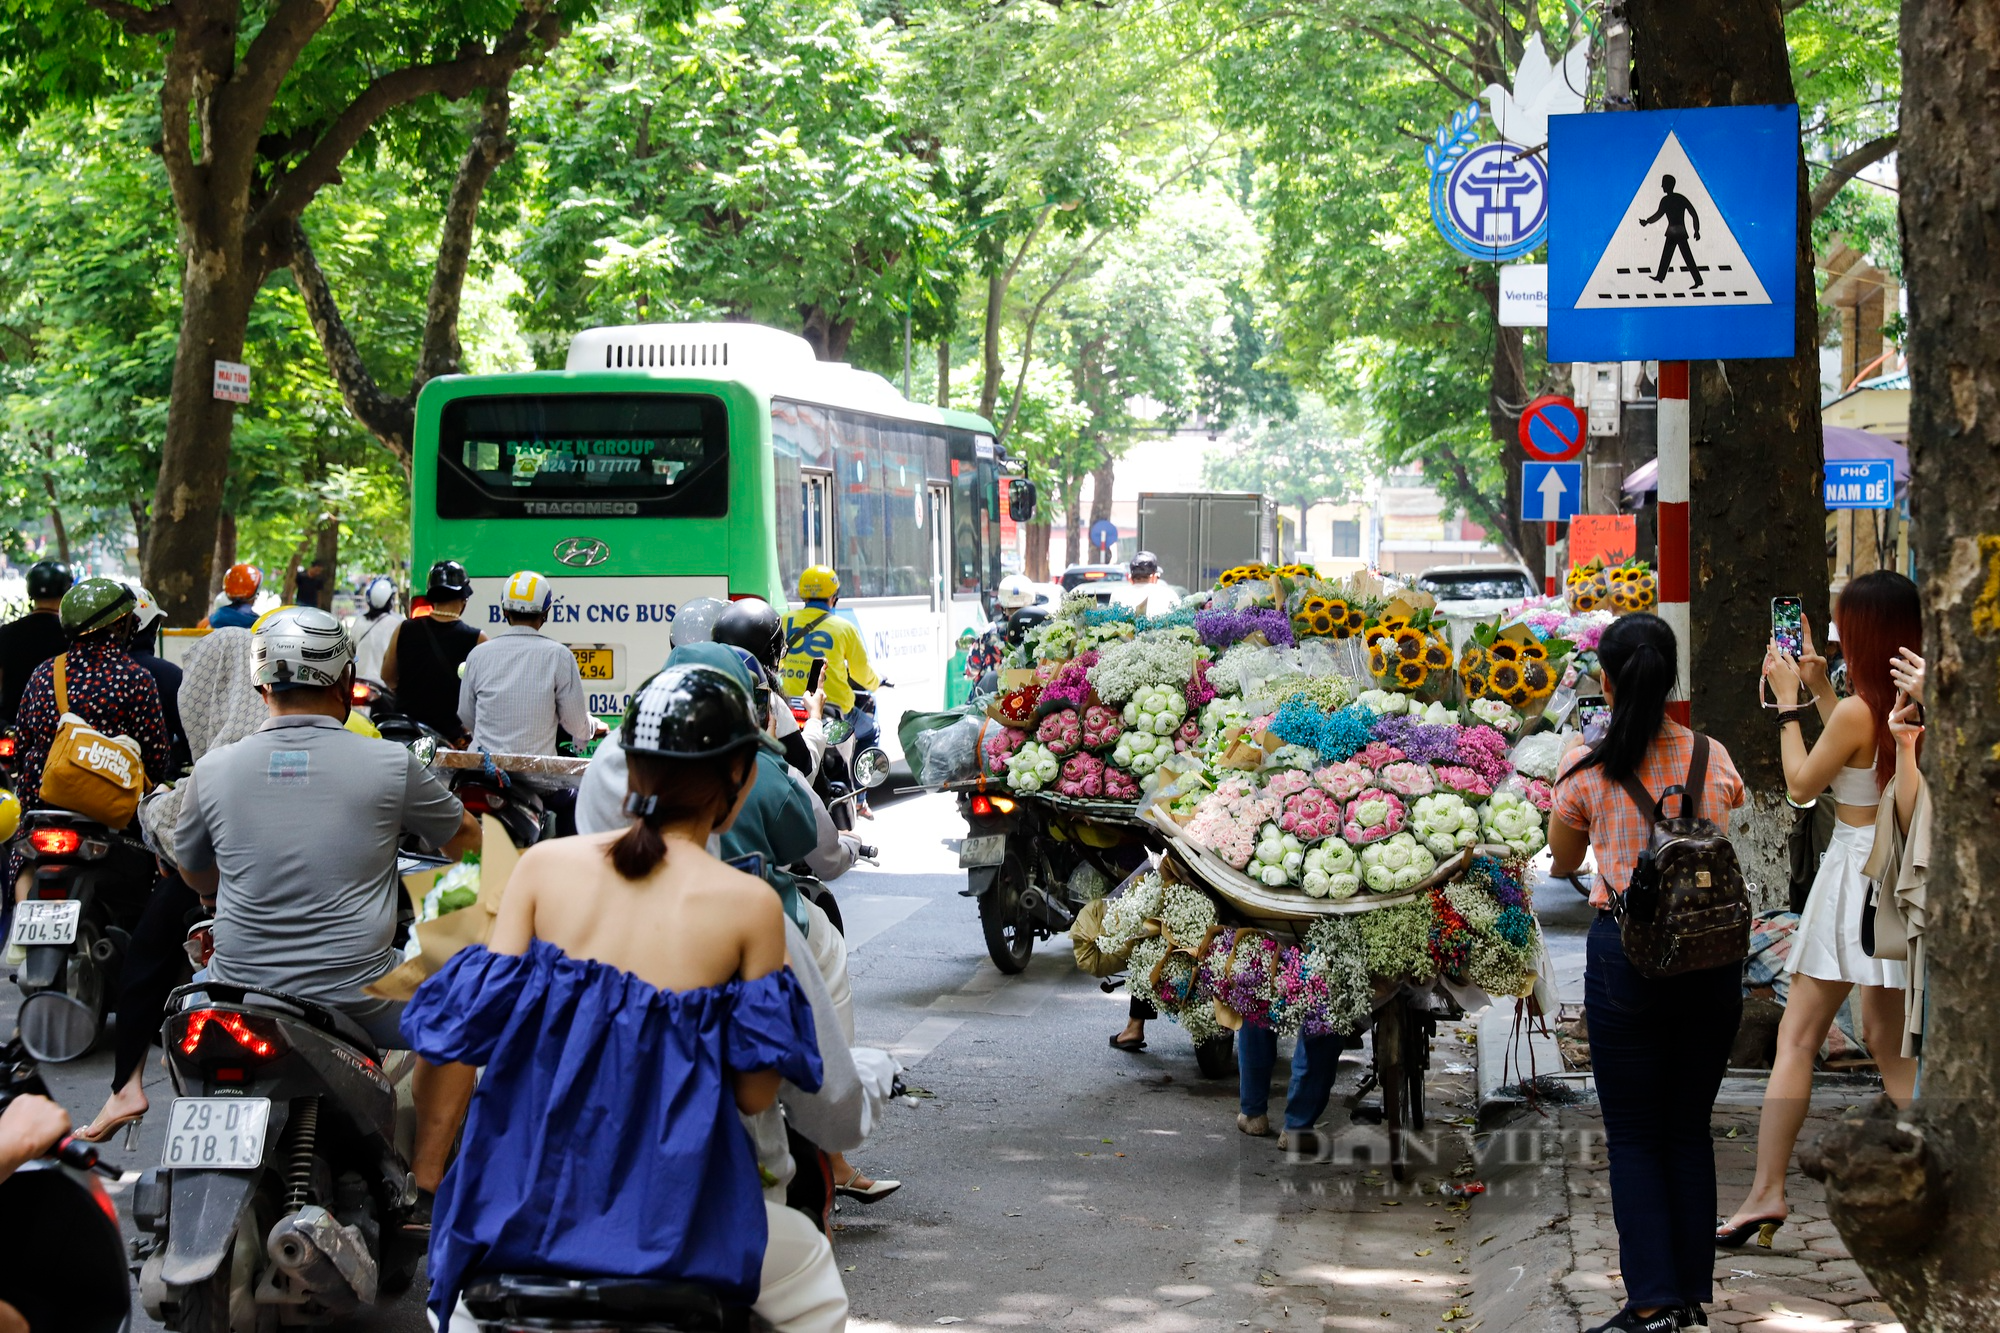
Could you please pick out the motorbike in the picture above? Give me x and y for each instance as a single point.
(285, 1186)
(62, 1260)
(533, 1303)
(87, 886)
(845, 770)
(518, 807)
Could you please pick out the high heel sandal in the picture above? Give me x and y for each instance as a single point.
(129, 1123)
(881, 1189)
(1763, 1227)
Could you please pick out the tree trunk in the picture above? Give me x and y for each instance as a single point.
(216, 293)
(225, 555)
(989, 344)
(1036, 561)
(56, 519)
(1756, 522)
(1101, 480)
(944, 372)
(1912, 1191)
(326, 552)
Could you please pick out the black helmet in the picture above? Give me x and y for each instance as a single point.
(448, 582)
(752, 624)
(48, 580)
(1020, 622)
(689, 712)
(1145, 563)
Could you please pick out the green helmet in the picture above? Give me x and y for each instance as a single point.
(95, 604)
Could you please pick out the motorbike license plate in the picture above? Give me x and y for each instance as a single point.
(216, 1133)
(595, 663)
(45, 922)
(986, 850)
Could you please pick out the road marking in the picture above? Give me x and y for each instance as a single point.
(867, 915)
(924, 1038)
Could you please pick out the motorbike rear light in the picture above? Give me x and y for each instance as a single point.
(362, 693)
(55, 841)
(6, 747)
(231, 1074)
(982, 805)
(252, 1037)
(1004, 804)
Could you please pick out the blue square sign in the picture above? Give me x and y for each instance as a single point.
(1673, 235)
(1862, 483)
(1551, 492)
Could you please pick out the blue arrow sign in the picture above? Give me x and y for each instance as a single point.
(1551, 492)
(1865, 483)
(1104, 534)
(1673, 235)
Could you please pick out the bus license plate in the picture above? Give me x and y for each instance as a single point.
(987, 850)
(45, 922)
(216, 1133)
(595, 663)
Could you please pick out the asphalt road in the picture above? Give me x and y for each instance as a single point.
(1052, 1182)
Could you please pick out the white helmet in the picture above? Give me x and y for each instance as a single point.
(1016, 591)
(299, 645)
(381, 595)
(527, 594)
(145, 610)
(695, 621)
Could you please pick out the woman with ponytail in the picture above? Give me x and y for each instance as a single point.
(1880, 620)
(1658, 1047)
(633, 1004)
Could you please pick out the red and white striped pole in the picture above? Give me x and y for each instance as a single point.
(1673, 501)
(1551, 566)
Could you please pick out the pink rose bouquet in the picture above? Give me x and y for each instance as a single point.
(1119, 785)
(1408, 779)
(1311, 814)
(1286, 782)
(1101, 727)
(1001, 742)
(1540, 793)
(1373, 816)
(1345, 780)
(1188, 736)
(1377, 754)
(1229, 818)
(1062, 732)
(1082, 777)
(1459, 779)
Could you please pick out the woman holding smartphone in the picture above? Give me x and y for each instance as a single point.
(1879, 619)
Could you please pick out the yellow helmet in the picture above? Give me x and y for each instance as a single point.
(819, 584)
(10, 814)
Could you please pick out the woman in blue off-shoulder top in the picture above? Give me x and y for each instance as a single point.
(633, 999)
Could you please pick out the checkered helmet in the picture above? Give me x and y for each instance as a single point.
(689, 712)
(299, 645)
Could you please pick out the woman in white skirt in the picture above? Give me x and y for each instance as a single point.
(1878, 617)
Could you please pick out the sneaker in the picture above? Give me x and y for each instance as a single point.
(1692, 1316)
(1256, 1126)
(1660, 1321)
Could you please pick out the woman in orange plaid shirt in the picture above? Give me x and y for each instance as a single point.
(1658, 1048)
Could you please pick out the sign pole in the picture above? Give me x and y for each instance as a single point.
(1674, 582)
(1550, 567)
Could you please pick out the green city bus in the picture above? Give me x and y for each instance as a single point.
(675, 461)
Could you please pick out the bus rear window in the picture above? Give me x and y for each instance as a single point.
(641, 454)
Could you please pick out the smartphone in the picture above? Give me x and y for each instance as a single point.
(750, 863)
(815, 674)
(1788, 625)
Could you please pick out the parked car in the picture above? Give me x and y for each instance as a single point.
(1077, 575)
(1477, 592)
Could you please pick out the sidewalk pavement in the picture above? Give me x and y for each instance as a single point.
(1805, 1283)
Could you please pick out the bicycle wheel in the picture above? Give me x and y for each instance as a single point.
(1391, 1050)
(1418, 1029)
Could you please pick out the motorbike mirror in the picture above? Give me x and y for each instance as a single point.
(838, 729)
(425, 749)
(56, 1028)
(871, 768)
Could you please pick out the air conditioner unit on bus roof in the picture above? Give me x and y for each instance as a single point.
(780, 363)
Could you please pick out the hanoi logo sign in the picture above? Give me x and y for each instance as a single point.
(1490, 201)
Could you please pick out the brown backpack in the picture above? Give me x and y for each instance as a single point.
(1687, 908)
(93, 774)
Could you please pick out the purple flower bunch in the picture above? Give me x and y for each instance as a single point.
(1062, 732)
(1308, 992)
(1199, 691)
(1432, 743)
(1242, 975)
(1071, 686)
(1484, 751)
(1219, 629)
(1502, 883)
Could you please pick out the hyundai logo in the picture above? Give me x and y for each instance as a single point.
(582, 552)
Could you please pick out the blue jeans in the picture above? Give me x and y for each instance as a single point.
(1658, 1048)
(1314, 1065)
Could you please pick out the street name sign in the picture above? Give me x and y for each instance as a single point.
(1861, 483)
(1551, 492)
(1673, 235)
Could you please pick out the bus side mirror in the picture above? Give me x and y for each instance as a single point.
(1021, 498)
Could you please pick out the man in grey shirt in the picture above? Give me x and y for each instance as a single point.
(290, 835)
(519, 685)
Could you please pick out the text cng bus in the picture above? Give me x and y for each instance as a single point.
(674, 461)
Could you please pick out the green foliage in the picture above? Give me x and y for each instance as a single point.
(1317, 454)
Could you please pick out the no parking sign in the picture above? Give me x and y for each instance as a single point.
(1552, 429)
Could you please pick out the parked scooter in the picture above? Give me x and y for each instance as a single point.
(62, 1260)
(285, 1185)
(88, 884)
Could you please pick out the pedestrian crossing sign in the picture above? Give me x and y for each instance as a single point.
(1673, 235)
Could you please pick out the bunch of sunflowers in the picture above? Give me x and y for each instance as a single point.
(1517, 673)
(1327, 618)
(1405, 652)
(1243, 574)
(1631, 586)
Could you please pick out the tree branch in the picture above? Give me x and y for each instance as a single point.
(139, 22)
(390, 420)
(243, 103)
(1844, 169)
(536, 29)
(440, 352)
